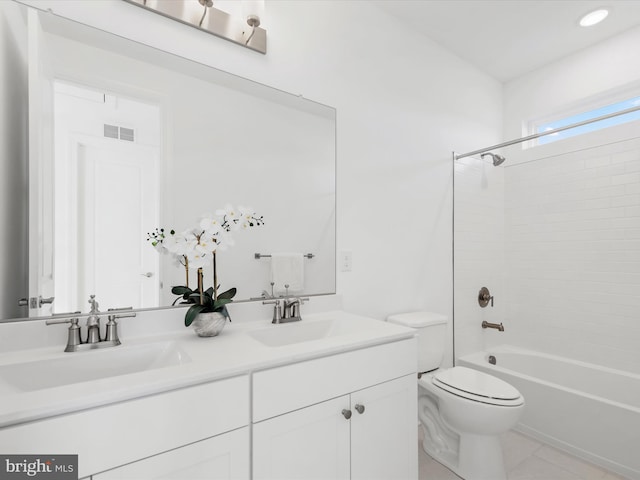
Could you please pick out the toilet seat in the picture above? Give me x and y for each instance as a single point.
(478, 386)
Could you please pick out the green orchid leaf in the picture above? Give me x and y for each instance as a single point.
(220, 304)
(192, 313)
(180, 290)
(229, 294)
(186, 297)
(209, 291)
(207, 301)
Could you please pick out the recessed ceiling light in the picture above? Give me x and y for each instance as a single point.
(594, 17)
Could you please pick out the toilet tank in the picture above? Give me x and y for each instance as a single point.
(432, 336)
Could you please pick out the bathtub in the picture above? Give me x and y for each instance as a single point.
(590, 411)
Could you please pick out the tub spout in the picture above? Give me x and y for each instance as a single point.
(497, 326)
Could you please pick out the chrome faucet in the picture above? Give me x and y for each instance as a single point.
(497, 326)
(93, 321)
(289, 310)
(74, 340)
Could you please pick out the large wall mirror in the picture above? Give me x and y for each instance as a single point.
(125, 139)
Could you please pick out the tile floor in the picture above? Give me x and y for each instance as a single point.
(525, 459)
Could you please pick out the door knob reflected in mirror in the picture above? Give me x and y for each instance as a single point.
(35, 302)
(46, 300)
(148, 274)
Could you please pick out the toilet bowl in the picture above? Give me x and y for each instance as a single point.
(474, 408)
(462, 411)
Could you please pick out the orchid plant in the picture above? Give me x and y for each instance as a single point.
(196, 248)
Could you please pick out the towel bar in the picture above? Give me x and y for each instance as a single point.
(258, 256)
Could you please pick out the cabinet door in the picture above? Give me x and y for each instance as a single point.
(383, 436)
(310, 443)
(225, 457)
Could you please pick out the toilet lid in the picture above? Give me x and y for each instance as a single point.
(477, 385)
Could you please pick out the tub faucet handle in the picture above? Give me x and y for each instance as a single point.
(484, 297)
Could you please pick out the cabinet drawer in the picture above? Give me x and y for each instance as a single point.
(224, 457)
(283, 389)
(113, 435)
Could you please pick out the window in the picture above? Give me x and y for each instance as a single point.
(580, 117)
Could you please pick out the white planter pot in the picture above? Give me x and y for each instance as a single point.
(209, 324)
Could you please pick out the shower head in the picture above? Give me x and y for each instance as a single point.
(497, 159)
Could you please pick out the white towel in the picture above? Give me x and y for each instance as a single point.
(287, 269)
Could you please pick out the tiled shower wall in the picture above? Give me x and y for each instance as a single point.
(556, 238)
(572, 251)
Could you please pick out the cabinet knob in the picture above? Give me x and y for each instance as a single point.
(346, 413)
(359, 408)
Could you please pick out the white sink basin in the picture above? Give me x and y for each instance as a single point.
(79, 367)
(304, 331)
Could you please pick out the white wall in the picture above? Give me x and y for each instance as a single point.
(13, 162)
(610, 67)
(404, 103)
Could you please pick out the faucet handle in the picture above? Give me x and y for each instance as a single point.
(112, 326)
(277, 310)
(73, 339)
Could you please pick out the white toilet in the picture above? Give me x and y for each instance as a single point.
(462, 411)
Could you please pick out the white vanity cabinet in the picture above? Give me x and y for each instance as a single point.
(350, 415)
(192, 424)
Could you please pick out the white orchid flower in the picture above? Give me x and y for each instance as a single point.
(199, 258)
(246, 213)
(181, 243)
(225, 240)
(228, 212)
(160, 247)
(178, 260)
(210, 225)
(207, 243)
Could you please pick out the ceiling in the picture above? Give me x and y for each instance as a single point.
(508, 38)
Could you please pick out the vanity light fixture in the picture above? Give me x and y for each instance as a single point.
(206, 4)
(244, 30)
(252, 10)
(594, 17)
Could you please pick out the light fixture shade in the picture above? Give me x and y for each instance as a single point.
(252, 8)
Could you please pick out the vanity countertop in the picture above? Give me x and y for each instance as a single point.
(236, 351)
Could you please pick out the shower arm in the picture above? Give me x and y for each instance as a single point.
(548, 132)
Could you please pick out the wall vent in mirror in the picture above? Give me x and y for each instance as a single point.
(126, 134)
(122, 133)
(110, 131)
